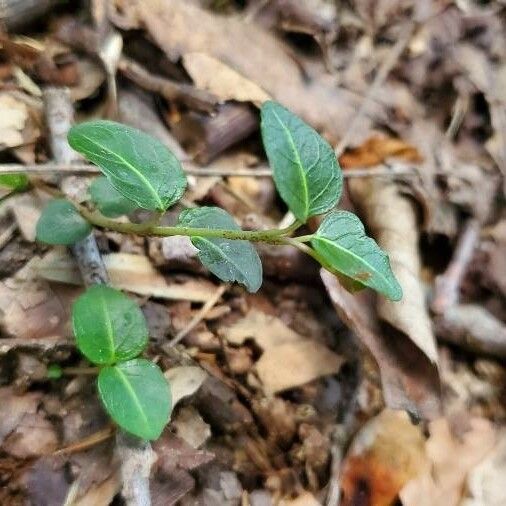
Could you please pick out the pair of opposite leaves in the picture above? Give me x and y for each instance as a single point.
(142, 172)
(111, 332)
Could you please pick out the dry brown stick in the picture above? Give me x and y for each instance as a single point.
(385, 68)
(447, 286)
(38, 346)
(473, 328)
(136, 455)
(195, 170)
(200, 315)
(194, 98)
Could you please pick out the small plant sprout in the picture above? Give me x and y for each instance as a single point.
(140, 172)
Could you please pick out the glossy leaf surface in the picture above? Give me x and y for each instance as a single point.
(110, 202)
(137, 397)
(305, 169)
(229, 260)
(342, 242)
(61, 223)
(109, 326)
(139, 166)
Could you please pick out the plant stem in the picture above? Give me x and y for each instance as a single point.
(307, 250)
(76, 371)
(271, 236)
(304, 238)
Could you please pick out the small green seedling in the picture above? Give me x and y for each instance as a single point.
(140, 172)
(111, 332)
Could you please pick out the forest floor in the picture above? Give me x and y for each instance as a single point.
(301, 394)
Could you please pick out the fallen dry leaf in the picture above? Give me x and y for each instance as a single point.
(209, 73)
(26, 209)
(409, 379)
(91, 77)
(31, 308)
(101, 494)
(14, 408)
(133, 273)
(304, 499)
(243, 47)
(386, 453)
(289, 359)
(184, 381)
(12, 121)
(393, 222)
(267, 331)
(485, 483)
(451, 458)
(190, 427)
(291, 365)
(33, 437)
(376, 150)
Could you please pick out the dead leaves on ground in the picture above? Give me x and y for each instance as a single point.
(272, 364)
(390, 457)
(288, 360)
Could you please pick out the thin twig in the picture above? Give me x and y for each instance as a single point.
(194, 170)
(87, 442)
(383, 72)
(447, 286)
(473, 328)
(200, 100)
(200, 315)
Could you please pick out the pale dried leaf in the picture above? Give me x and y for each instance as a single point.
(91, 77)
(386, 453)
(393, 221)
(485, 483)
(304, 499)
(244, 47)
(31, 308)
(184, 381)
(409, 379)
(12, 121)
(33, 437)
(266, 330)
(191, 427)
(14, 408)
(294, 364)
(26, 209)
(210, 74)
(101, 494)
(451, 458)
(133, 273)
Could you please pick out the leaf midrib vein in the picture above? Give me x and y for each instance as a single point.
(298, 163)
(131, 391)
(108, 327)
(350, 252)
(128, 164)
(227, 259)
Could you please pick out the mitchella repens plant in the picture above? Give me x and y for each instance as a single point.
(140, 172)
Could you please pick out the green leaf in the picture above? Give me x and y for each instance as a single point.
(61, 223)
(17, 182)
(230, 260)
(140, 167)
(54, 371)
(305, 169)
(109, 326)
(109, 201)
(342, 242)
(137, 397)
